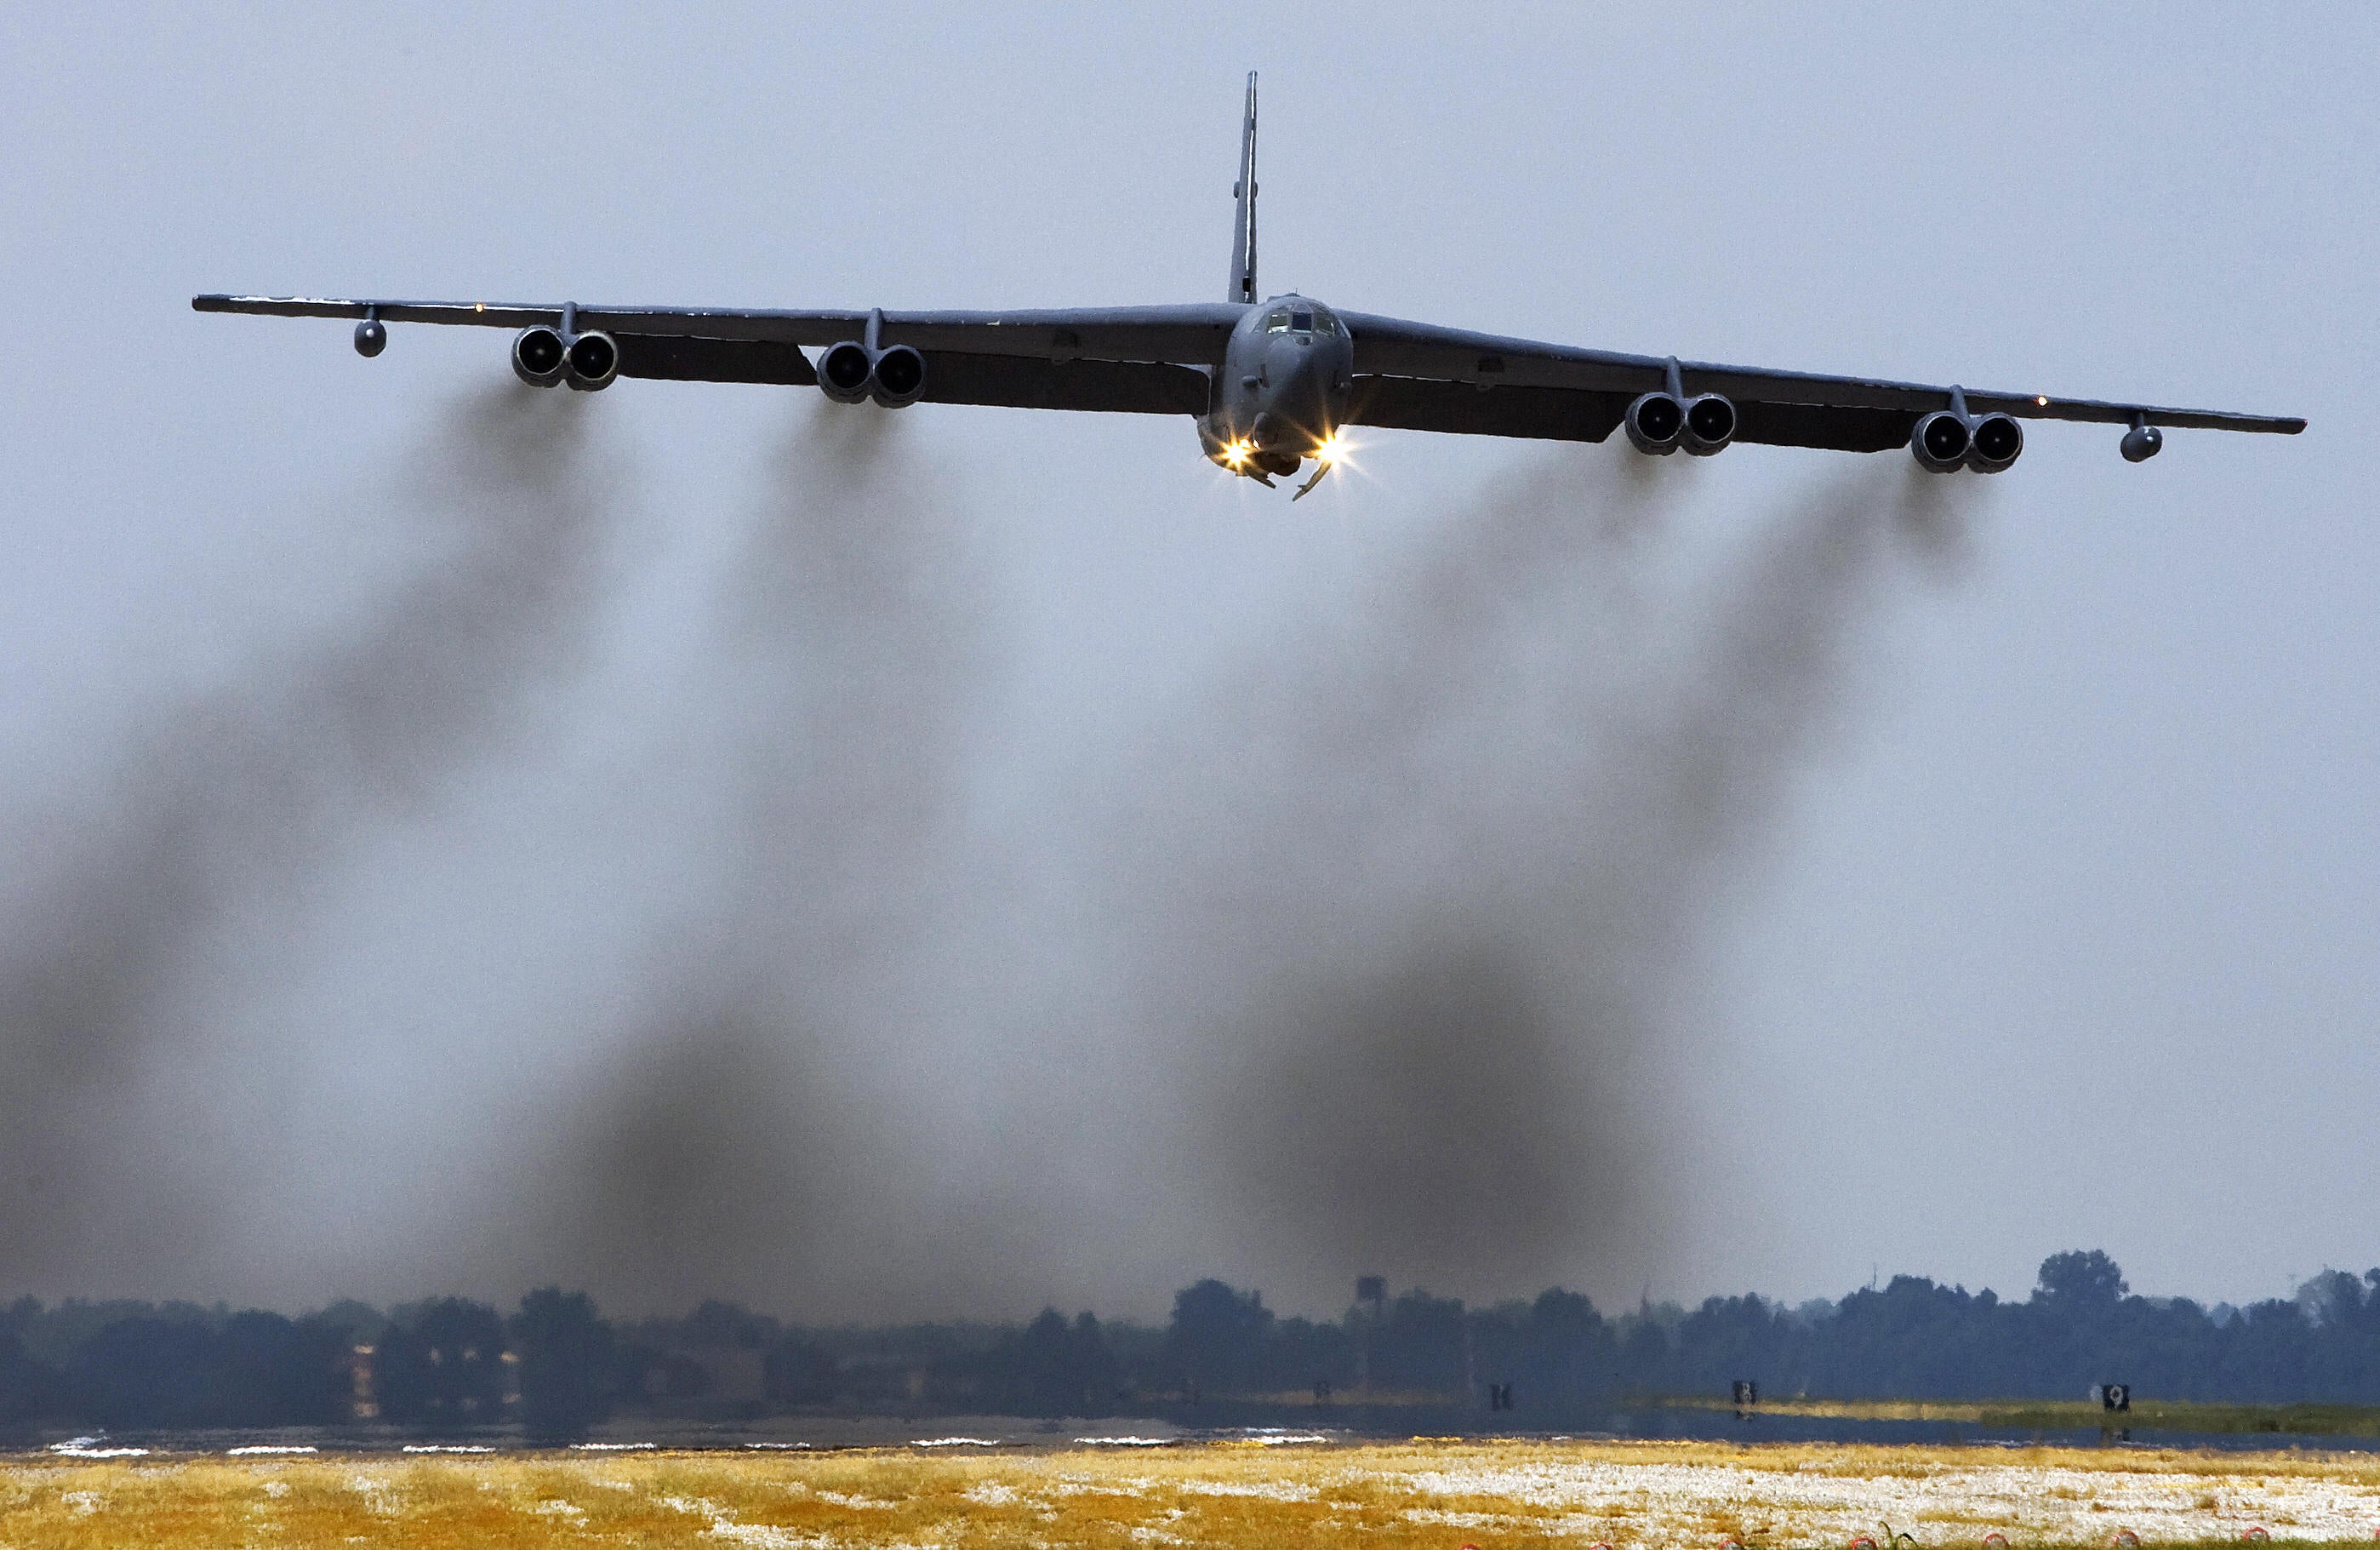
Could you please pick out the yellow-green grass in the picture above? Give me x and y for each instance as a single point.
(2051, 1415)
(1377, 1496)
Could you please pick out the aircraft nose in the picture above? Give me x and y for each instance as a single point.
(1299, 379)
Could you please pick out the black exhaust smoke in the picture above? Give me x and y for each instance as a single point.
(105, 1180)
(1377, 955)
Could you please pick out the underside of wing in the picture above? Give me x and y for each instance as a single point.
(1191, 335)
(694, 359)
(1466, 408)
(1833, 427)
(1157, 360)
(1513, 378)
(1029, 383)
(1589, 414)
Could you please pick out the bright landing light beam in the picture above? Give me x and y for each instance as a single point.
(1327, 454)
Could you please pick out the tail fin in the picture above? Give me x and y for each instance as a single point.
(1244, 231)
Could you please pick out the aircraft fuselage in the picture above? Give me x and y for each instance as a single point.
(1282, 394)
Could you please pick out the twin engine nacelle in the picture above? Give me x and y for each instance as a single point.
(1659, 423)
(1947, 440)
(894, 377)
(543, 356)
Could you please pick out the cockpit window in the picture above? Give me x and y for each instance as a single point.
(1308, 319)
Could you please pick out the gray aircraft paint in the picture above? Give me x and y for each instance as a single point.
(1283, 389)
(1243, 288)
(1265, 402)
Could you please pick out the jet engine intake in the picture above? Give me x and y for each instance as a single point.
(900, 376)
(1940, 442)
(2143, 442)
(538, 356)
(1710, 424)
(1655, 421)
(1998, 440)
(594, 362)
(843, 370)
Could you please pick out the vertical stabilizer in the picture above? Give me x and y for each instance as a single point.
(1243, 230)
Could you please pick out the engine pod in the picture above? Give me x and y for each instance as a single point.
(1995, 442)
(900, 374)
(538, 356)
(843, 370)
(1654, 422)
(1939, 442)
(1710, 424)
(594, 361)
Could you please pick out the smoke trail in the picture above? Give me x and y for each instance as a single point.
(234, 800)
(747, 1134)
(1412, 919)
(1364, 964)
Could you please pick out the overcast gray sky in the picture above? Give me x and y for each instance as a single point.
(2051, 919)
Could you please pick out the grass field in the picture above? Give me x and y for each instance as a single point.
(2172, 1415)
(1439, 1496)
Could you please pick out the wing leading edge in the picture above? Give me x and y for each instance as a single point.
(1126, 359)
(1184, 335)
(1156, 359)
(1422, 377)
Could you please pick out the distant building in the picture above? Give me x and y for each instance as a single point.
(359, 1382)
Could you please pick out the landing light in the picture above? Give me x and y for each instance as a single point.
(1328, 453)
(1236, 453)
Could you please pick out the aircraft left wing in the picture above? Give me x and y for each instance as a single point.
(1422, 377)
(1145, 359)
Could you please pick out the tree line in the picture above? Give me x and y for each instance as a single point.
(555, 1367)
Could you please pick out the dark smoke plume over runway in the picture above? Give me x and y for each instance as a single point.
(1369, 954)
(749, 1116)
(233, 803)
(1362, 961)
(1412, 908)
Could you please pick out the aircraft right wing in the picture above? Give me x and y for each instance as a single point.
(953, 376)
(1133, 360)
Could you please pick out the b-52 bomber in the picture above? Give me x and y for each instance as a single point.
(1271, 381)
